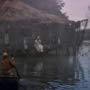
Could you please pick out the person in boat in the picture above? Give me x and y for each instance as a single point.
(7, 67)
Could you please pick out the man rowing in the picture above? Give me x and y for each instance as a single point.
(9, 76)
(7, 66)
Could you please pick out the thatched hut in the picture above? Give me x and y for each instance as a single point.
(20, 20)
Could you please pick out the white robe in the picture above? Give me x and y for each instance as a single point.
(38, 46)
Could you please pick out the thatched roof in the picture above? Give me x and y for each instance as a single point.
(13, 10)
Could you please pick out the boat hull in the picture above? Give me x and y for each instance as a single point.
(8, 83)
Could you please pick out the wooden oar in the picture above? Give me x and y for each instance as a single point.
(13, 56)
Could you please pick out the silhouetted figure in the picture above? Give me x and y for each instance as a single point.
(7, 67)
(8, 73)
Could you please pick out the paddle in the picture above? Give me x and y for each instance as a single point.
(13, 58)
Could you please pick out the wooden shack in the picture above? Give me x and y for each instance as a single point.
(21, 21)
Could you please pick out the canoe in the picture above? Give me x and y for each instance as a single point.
(8, 83)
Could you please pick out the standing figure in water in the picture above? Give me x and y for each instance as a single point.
(38, 45)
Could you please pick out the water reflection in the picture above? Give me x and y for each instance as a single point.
(62, 69)
(25, 69)
(56, 72)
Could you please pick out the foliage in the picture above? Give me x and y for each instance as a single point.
(50, 6)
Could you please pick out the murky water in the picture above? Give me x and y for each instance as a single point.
(56, 72)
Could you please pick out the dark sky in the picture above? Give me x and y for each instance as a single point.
(76, 9)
